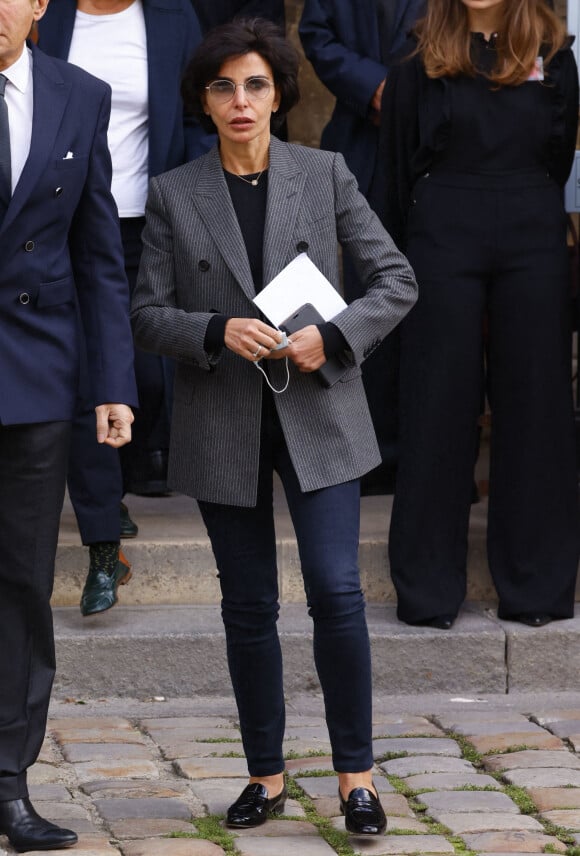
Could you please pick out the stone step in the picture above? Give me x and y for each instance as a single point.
(179, 651)
(173, 564)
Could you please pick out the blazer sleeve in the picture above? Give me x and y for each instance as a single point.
(399, 141)
(159, 325)
(98, 268)
(351, 77)
(391, 289)
(564, 70)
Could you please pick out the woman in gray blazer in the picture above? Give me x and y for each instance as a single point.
(217, 229)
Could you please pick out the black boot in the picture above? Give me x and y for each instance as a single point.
(108, 569)
(27, 830)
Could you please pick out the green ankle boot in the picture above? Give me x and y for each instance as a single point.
(108, 569)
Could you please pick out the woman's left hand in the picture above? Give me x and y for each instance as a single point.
(307, 349)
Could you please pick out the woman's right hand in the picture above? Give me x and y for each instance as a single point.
(252, 339)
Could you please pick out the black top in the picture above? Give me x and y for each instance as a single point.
(250, 203)
(469, 125)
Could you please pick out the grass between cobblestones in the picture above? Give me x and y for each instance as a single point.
(291, 755)
(336, 839)
(432, 827)
(521, 798)
(391, 756)
(468, 750)
(210, 829)
(219, 740)
(518, 795)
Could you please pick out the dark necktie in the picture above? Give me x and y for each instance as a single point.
(5, 161)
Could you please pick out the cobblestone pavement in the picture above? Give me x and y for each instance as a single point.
(465, 776)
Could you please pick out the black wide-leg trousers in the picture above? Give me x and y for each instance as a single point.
(495, 249)
(32, 483)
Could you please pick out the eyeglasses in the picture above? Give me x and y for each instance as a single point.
(256, 88)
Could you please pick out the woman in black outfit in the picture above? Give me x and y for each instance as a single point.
(218, 229)
(478, 139)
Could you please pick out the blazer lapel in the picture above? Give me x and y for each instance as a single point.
(286, 182)
(212, 199)
(50, 96)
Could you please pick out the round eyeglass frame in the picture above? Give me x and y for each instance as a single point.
(254, 96)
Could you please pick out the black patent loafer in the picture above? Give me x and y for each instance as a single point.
(252, 807)
(27, 830)
(363, 812)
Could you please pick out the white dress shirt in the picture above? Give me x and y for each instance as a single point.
(19, 100)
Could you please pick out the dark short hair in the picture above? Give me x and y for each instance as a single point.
(236, 38)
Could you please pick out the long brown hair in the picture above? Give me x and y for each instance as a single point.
(528, 28)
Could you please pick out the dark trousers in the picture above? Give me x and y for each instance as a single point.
(98, 476)
(327, 529)
(95, 483)
(380, 374)
(154, 375)
(32, 483)
(496, 248)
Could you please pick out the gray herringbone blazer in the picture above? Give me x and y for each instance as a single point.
(194, 264)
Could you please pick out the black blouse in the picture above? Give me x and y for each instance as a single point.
(250, 202)
(469, 125)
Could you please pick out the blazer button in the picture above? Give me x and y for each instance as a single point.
(58, 191)
(24, 298)
(302, 246)
(204, 265)
(29, 246)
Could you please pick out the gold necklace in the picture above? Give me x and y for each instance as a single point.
(252, 181)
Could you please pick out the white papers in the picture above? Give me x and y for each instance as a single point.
(300, 282)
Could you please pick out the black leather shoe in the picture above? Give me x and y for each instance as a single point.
(147, 473)
(129, 528)
(108, 569)
(441, 622)
(252, 807)
(533, 619)
(363, 812)
(27, 830)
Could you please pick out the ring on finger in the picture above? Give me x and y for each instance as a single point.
(255, 354)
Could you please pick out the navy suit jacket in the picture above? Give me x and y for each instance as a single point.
(60, 250)
(341, 40)
(173, 33)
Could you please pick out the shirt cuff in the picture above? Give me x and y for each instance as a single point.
(215, 333)
(332, 339)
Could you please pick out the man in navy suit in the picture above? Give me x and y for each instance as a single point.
(140, 47)
(351, 45)
(61, 256)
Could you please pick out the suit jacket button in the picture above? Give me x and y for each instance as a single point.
(58, 191)
(302, 246)
(29, 246)
(24, 298)
(203, 265)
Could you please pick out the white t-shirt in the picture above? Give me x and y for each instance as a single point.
(114, 48)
